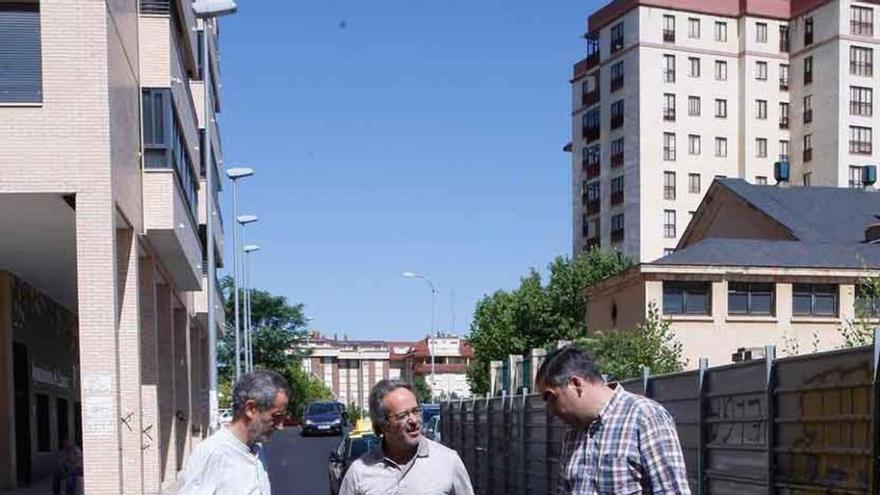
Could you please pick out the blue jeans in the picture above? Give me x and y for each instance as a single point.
(69, 479)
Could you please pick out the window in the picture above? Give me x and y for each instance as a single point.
(669, 146)
(617, 152)
(617, 76)
(783, 150)
(694, 28)
(668, 106)
(669, 68)
(808, 31)
(808, 70)
(814, 300)
(720, 147)
(855, 177)
(21, 65)
(694, 106)
(808, 109)
(761, 71)
(761, 32)
(783, 115)
(694, 183)
(686, 298)
(694, 144)
(591, 161)
(720, 70)
(43, 444)
(808, 147)
(590, 89)
(617, 227)
(592, 50)
(669, 28)
(783, 77)
(861, 61)
(861, 101)
(694, 63)
(594, 196)
(721, 109)
(808, 179)
(720, 31)
(669, 224)
(860, 140)
(760, 180)
(750, 298)
(668, 185)
(617, 190)
(591, 123)
(784, 45)
(761, 109)
(617, 37)
(867, 301)
(617, 114)
(861, 21)
(760, 147)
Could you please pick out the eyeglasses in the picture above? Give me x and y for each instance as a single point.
(402, 417)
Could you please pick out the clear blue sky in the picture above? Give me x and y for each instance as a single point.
(393, 135)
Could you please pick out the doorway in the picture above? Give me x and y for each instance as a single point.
(22, 413)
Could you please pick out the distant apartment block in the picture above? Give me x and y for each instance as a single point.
(673, 94)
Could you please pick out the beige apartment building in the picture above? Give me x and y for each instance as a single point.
(674, 93)
(758, 265)
(103, 303)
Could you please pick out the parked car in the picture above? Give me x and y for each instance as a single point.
(225, 416)
(431, 429)
(353, 445)
(428, 412)
(323, 417)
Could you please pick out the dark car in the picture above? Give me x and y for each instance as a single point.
(323, 418)
(354, 445)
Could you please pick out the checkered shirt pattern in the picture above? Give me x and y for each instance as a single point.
(631, 448)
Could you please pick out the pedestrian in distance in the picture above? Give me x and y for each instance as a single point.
(230, 461)
(69, 468)
(619, 443)
(404, 462)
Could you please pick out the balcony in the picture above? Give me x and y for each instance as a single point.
(617, 235)
(594, 207)
(616, 121)
(616, 198)
(616, 160)
(783, 84)
(591, 133)
(808, 154)
(808, 116)
(217, 220)
(783, 123)
(669, 36)
(590, 98)
(592, 169)
(616, 83)
(669, 114)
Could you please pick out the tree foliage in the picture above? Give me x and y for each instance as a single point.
(304, 387)
(860, 331)
(536, 314)
(421, 390)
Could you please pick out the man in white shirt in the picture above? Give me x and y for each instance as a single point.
(229, 462)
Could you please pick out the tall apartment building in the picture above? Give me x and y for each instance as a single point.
(673, 94)
(103, 302)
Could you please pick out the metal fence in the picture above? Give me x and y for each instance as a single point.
(798, 426)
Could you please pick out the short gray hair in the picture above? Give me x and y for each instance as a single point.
(566, 362)
(378, 411)
(260, 386)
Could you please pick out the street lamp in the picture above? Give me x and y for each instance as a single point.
(248, 327)
(433, 330)
(234, 175)
(208, 10)
(243, 220)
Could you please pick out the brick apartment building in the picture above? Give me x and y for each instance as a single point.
(103, 302)
(674, 93)
(350, 368)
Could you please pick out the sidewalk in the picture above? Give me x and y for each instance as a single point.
(39, 487)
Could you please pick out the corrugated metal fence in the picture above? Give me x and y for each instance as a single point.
(801, 425)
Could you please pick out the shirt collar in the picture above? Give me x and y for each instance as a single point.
(609, 407)
(423, 450)
(238, 444)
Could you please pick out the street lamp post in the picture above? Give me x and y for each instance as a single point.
(235, 174)
(248, 283)
(208, 10)
(433, 319)
(244, 220)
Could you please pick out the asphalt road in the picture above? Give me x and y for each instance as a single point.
(299, 465)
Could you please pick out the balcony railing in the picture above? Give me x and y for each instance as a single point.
(594, 207)
(784, 45)
(617, 235)
(156, 7)
(808, 154)
(590, 98)
(592, 60)
(669, 35)
(669, 114)
(617, 159)
(861, 69)
(808, 77)
(592, 243)
(783, 123)
(591, 133)
(616, 121)
(616, 83)
(862, 108)
(783, 84)
(808, 116)
(669, 75)
(859, 147)
(783, 158)
(616, 198)
(861, 28)
(592, 169)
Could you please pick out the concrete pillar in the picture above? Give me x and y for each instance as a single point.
(129, 361)
(98, 343)
(150, 378)
(181, 382)
(195, 383)
(7, 392)
(167, 422)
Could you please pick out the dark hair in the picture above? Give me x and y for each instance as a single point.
(566, 362)
(378, 411)
(260, 386)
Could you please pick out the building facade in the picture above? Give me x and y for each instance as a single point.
(103, 302)
(673, 94)
(757, 266)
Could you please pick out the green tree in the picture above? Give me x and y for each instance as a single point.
(860, 331)
(421, 389)
(355, 413)
(622, 354)
(304, 387)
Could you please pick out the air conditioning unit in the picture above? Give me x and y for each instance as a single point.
(782, 171)
(748, 354)
(869, 175)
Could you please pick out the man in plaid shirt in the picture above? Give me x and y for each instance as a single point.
(620, 443)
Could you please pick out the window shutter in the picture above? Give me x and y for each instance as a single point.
(20, 58)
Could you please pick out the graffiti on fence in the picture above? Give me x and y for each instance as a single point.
(736, 420)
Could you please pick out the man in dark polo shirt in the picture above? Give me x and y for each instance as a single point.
(405, 463)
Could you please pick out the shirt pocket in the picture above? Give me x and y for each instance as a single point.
(619, 475)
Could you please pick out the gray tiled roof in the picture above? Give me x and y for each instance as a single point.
(784, 254)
